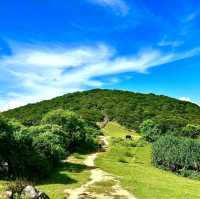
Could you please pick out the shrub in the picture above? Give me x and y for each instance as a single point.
(32, 152)
(150, 130)
(176, 154)
(73, 126)
(192, 131)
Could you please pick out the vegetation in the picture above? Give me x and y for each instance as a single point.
(179, 155)
(113, 129)
(127, 108)
(37, 137)
(152, 130)
(70, 174)
(192, 131)
(140, 177)
(33, 152)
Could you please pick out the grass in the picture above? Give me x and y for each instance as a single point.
(113, 129)
(139, 176)
(2, 185)
(71, 174)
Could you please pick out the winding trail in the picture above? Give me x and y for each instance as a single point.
(97, 178)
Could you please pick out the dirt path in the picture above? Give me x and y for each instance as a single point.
(101, 185)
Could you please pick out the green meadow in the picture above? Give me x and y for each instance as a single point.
(133, 167)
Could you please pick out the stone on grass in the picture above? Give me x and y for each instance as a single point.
(30, 192)
(42, 195)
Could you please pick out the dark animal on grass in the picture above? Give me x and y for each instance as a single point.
(128, 137)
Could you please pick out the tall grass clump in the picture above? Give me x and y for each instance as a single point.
(179, 155)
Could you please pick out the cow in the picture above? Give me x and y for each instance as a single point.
(128, 137)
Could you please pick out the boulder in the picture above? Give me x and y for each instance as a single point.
(30, 192)
(9, 194)
(42, 195)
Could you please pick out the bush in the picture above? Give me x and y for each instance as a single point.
(150, 130)
(176, 154)
(72, 125)
(192, 131)
(32, 152)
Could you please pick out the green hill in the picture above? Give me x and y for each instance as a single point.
(127, 108)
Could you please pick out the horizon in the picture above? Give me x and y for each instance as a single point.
(103, 89)
(51, 48)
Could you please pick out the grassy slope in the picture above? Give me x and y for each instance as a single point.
(140, 177)
(113, 129)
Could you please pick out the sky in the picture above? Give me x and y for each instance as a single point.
(52, 47)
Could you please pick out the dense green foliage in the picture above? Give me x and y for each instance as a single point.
(32, 152)
(50, 132)
(177, 154)
(152, 130)
(128, 108)
(190, 130)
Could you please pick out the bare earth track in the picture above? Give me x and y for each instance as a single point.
(101, 185)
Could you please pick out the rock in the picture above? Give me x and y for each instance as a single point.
(30, 192)
(9, 194)
(43, 195)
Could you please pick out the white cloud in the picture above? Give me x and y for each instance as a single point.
(169, 42)
(38, 73)
(187, 99)
(119, 6)
(172, 43)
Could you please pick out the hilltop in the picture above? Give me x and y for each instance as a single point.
(127, 108)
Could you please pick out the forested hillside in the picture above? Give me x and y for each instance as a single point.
(128, 108)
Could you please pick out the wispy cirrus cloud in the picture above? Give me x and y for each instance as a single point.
(169, 42)
(172, 43)
(119, 6)
(42, 72)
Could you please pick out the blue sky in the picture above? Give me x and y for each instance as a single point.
(48, 48)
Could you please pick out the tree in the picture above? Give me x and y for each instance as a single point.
(71, 123)
(29, 152)
(6, 138)
(150, 130)
(50, 146)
